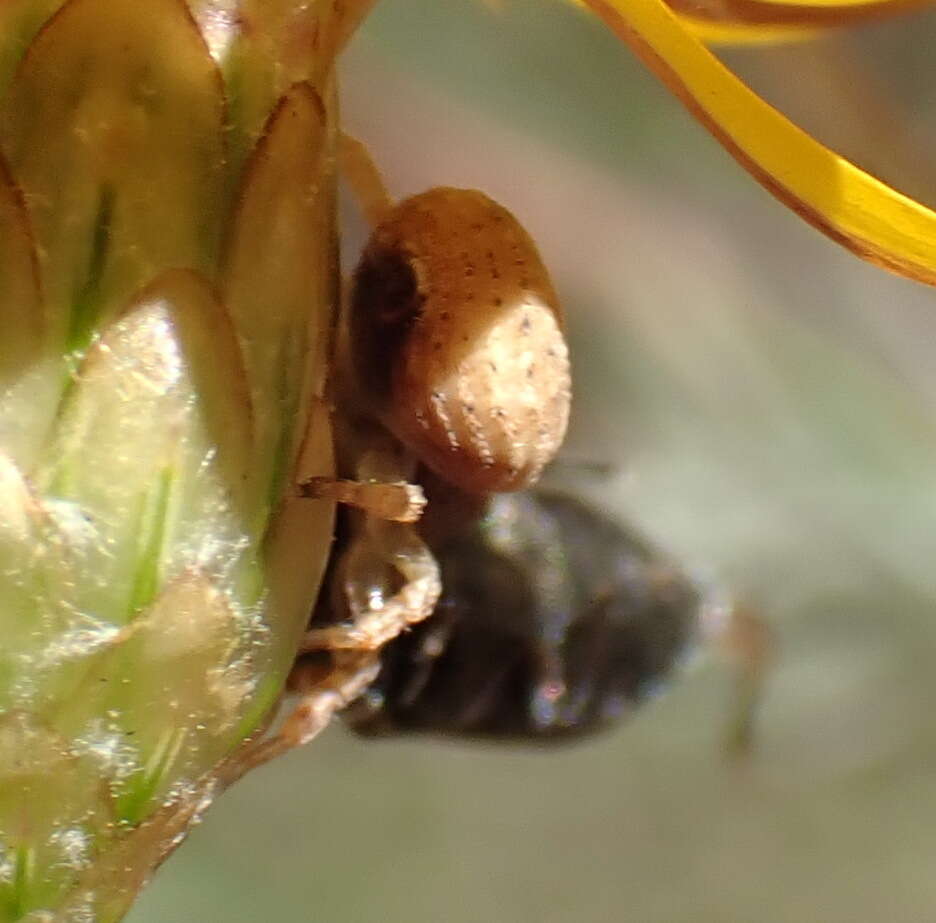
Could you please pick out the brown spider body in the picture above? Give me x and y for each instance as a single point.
(457, 340)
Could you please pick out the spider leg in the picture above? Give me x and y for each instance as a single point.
(380, 605)
(361, 174)
(396, 502)
(320, 698)
(390, 581)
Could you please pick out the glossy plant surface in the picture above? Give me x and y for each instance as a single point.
(167, 256)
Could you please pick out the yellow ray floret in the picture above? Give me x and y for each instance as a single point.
(719, 32)
(792, 13)
(862, 213)
(760, 21)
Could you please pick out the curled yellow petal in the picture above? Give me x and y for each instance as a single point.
(880, 6)
(720, 32)
(793, 13)
(748, 22)
(858, 211)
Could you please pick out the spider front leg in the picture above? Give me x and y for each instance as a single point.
(348, 676)
(390, 581)
(395, 502)
(323, 691)
(386, 580)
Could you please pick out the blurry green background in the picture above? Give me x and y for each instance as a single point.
(770, 405)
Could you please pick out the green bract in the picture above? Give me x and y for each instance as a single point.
(167, 265)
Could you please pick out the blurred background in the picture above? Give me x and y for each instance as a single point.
(768, 404)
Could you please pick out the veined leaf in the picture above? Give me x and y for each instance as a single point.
(31, 369)
(157, 572)
(288, 43)
(114, 142)
(47, 841)
(179, 684)
(277, 279)
(153, 447)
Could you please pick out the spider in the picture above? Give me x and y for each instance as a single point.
(451, 354)
(453, 372)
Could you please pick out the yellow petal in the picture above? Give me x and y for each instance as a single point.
(869, 6)
(863, 214)
(760, 21)
(790, 13)
(720, 32)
